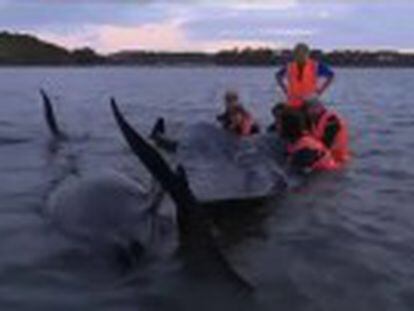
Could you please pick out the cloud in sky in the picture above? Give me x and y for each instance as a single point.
(109, 25)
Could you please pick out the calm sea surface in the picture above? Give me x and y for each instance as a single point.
(343, 241)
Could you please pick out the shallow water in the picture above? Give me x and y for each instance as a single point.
(342, 241)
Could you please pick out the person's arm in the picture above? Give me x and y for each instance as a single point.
(223, 119)
(280, 76)
(327, 73)
(305, 158)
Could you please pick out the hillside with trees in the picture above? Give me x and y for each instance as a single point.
(18, 49)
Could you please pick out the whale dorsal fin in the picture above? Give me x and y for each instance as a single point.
(50, 117)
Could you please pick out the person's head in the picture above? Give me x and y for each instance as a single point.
(301, 53)
(293, 125)
(313, 111)
(231, 100)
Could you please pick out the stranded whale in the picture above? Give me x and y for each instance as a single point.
(110, 211)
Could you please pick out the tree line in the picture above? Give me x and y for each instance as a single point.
(20, 49)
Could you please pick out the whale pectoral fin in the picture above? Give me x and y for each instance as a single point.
(50, 116)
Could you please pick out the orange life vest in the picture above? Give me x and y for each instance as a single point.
(307, 141)
(339, 147)
(301, 86)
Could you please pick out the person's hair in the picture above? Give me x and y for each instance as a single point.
(301, 48)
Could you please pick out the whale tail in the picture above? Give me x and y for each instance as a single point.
(50, 116)
(193, 223)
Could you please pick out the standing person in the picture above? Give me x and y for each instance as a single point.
(303, 76)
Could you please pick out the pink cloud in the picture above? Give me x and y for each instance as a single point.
(88, 37)
(168, 36)
(164, 36)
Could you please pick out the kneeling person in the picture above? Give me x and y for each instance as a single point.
(328, 127)
(305, 152)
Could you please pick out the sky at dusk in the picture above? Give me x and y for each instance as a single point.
(112, 25)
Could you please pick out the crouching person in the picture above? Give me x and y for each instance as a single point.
(328, 127)
(304, 151)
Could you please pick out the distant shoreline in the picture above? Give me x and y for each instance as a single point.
(20, 50)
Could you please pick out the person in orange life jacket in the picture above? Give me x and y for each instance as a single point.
(304, 152)
(303, 76)
(236, 118)
(328, 127)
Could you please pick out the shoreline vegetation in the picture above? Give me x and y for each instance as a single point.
(27, 50)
